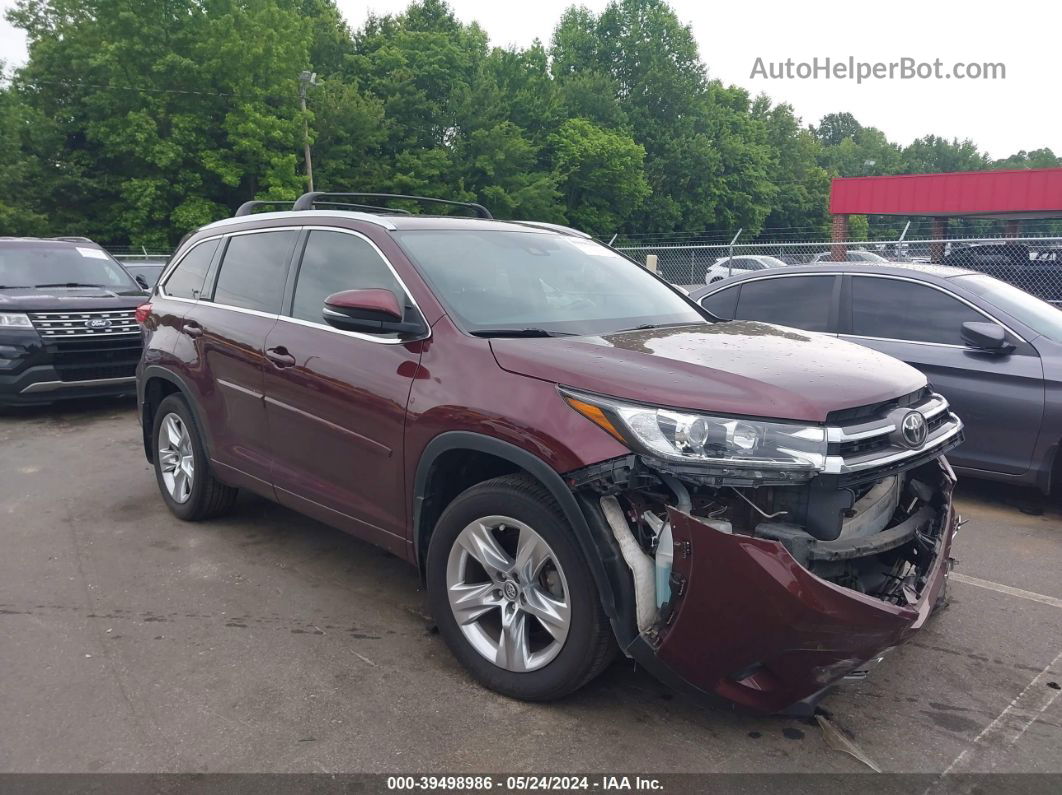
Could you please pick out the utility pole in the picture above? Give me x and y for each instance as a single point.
(306, 79)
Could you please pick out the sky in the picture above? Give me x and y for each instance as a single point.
(1002, 116)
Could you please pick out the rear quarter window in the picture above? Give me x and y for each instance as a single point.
(721, 304)
(186, 281)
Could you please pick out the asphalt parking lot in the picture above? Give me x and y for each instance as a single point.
(130, 641)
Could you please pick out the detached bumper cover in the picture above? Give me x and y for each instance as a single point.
(754, 627)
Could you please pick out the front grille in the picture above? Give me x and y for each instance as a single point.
(90, 372)
(94, 324)
(872, 445)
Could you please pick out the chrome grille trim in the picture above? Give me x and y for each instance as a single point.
(81, 325)
(882, 429)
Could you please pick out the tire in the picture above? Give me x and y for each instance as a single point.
(207, 496)
(545, 669)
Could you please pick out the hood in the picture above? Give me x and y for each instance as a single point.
(737, 367)
(53, 299)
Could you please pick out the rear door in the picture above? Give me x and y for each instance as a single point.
(999, 398)
(336, 400)
(226, 329)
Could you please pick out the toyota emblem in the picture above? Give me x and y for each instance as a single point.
(913, 429)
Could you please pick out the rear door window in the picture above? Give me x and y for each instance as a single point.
(903, 310)
(337, 261)
(186, 281)
(799, 301)
(254, 269)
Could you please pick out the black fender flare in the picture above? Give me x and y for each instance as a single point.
(153, 371)
(544, 474)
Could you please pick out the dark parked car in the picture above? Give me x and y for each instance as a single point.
(1035, 270)
(575, 455)
(994, 351)
(67, 327)
(145, 270)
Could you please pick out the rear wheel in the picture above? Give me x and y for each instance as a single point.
(512, 594)
(181, 468)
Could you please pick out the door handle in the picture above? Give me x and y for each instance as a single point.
(279, 356)
(192, 329)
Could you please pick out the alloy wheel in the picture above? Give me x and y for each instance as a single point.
(176, 460)
(508, 593)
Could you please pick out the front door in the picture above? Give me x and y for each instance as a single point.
(336, 400)
(1000, 399)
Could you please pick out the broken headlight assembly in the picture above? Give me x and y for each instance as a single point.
(693, 438)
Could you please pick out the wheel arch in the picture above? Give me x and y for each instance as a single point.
(155, 385)
(427, 506)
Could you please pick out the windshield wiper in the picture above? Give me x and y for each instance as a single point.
(520, 332)
(15, 287)
(648, 326)
(68, 284)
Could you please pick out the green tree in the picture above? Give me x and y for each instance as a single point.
(800, 204)
(1038, 158)
(935, 155)
(600, 173)
(169, 112)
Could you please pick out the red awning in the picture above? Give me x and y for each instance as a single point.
(1028, 193)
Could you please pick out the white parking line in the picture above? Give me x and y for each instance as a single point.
(1000, 588)
(1013, 721)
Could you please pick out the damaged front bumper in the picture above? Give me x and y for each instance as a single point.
(754, 626)
(774, 593)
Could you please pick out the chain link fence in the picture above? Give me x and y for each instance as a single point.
(1032, 263)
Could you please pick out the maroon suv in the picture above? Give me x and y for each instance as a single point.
(576, 457)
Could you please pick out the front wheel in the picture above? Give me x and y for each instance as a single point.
(512, 594)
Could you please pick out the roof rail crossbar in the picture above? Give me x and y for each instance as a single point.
(368, 207)
(307, 200)
(249, 207)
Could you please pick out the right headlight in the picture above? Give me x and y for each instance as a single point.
(690, 437)
(14, 320)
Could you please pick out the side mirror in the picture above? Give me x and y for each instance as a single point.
(374, 311)
(987, 337)
(142, 282)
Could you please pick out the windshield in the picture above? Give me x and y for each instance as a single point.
(1030, 310)
(496, 279)
(35, 265)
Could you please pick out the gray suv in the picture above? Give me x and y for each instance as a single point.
(993, 350)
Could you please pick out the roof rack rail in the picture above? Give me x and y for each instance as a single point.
(71, 239)
(307, 201)
(368, 207)
(249, 207)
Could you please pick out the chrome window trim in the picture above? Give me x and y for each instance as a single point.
(240, 309)
(906, 342)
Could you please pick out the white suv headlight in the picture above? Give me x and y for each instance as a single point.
(14, 320)
(734, 442)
